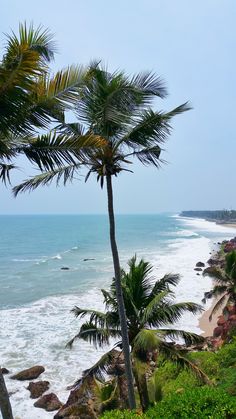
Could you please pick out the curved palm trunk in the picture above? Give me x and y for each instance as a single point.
(5, 405)
(119, 296)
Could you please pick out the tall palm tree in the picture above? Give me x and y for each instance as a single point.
(151, 312)
(225, 283)
(117, 110)
(31, 98)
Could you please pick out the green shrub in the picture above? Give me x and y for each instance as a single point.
(226, 357)
(200, 403)
(121, 414)
(207, 361)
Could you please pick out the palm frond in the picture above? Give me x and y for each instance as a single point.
(98, 336)
(5, 172)
(53, 150)
(150, 312)
(99, 319)
(39, 40)
(168, 312)
(188, 337)
(218, 305)
(178, 357)
(100, 369)
(148, 155)
(149, 85)
(163, 284)
(67, 173)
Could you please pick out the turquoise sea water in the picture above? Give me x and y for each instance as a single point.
(36, 295)
(33, 249)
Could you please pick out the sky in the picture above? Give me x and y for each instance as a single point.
(191, 45)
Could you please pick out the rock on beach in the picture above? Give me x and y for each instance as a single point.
(29, 374)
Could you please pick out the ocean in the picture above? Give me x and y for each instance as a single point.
(36, 295)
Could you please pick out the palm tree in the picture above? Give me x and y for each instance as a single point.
(31, 98)
(114, 110)
(150, 312)
(225, 283)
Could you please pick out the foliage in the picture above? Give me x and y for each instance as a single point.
(225, 288)
(204, 402)
(124, 414)
(149, 307)
(31, 98)
(116, 108)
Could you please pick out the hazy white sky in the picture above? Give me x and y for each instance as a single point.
(192, 45)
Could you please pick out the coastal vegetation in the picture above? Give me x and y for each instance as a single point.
(224, 290)
(220, 216)
(184, 396)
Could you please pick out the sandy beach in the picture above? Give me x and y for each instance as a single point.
(205, 324)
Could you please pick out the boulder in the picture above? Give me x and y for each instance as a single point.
(65, 268)
(198, 269)
(49, 402)
(213, 262)
(218, 331)
(221, 321)
(5, 371)
(38, 388)
(200, 265)
(209, 271)
(230, 309)
(29, 374)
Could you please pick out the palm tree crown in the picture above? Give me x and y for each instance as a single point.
(149, 309)
(31, 98)
(117, 110)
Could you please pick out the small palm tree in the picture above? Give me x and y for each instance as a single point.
(225, 283)
(150, 312)
(114, 111)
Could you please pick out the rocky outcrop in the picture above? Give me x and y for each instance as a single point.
(29, 374)
(225, 325)
(49, 402)
(81, 402)
(200, 265)
(5, 371)
(38, 388)
(198, 269)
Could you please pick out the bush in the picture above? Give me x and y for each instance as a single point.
(207, 361)
(203, 402)
(121, 414)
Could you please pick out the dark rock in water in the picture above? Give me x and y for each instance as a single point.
(38, 388)
(211, 270)
(49, 402)
(5, 371)
(197, 273)
(85, 260)
(200, 264)
(198, 269)
(65, 268)
(29, 374)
